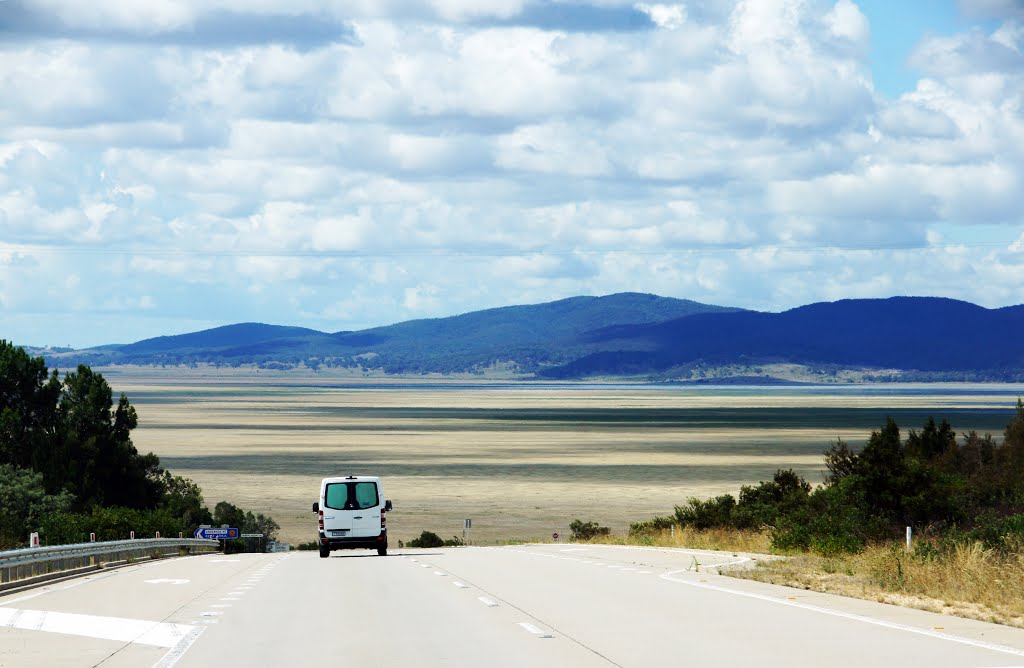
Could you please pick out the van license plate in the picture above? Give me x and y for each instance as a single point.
(339, 533)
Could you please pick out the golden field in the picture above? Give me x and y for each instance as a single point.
(521, 460)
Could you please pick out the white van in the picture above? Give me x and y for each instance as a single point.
(351, 514)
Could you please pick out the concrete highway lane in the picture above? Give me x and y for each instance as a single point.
(538, 605)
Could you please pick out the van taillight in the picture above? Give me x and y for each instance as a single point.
(383, 520)
(321, 520)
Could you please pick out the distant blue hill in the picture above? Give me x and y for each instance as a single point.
(920, 333)
(627, 334)
(218, 338)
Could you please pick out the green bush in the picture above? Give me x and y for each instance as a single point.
(705, 514)
(427, 539)
(1005, 534)
(113, 523)
(648, 527)
(587, 530)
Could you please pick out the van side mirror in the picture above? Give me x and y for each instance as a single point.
(387, 506)
(316, 507)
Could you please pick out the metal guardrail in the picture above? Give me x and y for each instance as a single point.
(37, 563)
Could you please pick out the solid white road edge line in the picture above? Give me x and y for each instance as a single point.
(849, 615)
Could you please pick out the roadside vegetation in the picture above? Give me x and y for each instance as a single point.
(963, 499)
(68, 466)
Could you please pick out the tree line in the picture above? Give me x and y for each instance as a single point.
(68, 466)
(953, 490)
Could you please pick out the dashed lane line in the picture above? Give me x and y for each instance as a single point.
(540, 633)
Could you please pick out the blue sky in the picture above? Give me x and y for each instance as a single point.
(174, 165)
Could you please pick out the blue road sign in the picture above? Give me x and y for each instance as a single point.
(218, 534)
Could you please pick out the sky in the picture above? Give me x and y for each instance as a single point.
(168, 166)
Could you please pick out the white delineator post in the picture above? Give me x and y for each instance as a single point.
(909, 534)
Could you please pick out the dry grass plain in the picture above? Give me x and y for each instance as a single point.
(521, 460)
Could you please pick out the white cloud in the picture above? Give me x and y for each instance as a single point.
(431, 158)
(846, 21)
(669, 17)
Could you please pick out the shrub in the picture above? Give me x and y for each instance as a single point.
(427, 539)
(699, 514)
(651, 526)
(587, 530)
(1004, 535)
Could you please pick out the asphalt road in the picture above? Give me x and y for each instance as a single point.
(538, 605)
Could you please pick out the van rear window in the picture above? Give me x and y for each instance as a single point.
(351, 495)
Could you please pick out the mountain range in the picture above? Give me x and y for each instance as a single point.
(627, 335)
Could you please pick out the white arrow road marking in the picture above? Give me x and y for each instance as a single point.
(173, 581)
(141, 631)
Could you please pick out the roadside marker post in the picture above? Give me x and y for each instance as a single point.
(92, 537)
(132, 535)
(910, 533)
(466, 526)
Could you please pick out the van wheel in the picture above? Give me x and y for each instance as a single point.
(383, 550)
(325, 552)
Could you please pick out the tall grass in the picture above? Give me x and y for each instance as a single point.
(964, 579)
(725, 540)
(961, 579)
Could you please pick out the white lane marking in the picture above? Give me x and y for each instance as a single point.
(460, 585)
(848, 615)
(179, 649)
(211, 613)
(424, 565)
(643, 572)
(439, 573)
(613, 566)
(628, 570)
(231, 598)
(486, 601)
(173, 581)
(414, 560)
(586, 562)
(141, 631)
(540, 633)
(221, 605)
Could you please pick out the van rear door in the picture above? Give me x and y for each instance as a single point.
(337, 509)
(366, 517)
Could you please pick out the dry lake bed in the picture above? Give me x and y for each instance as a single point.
(522, 460)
